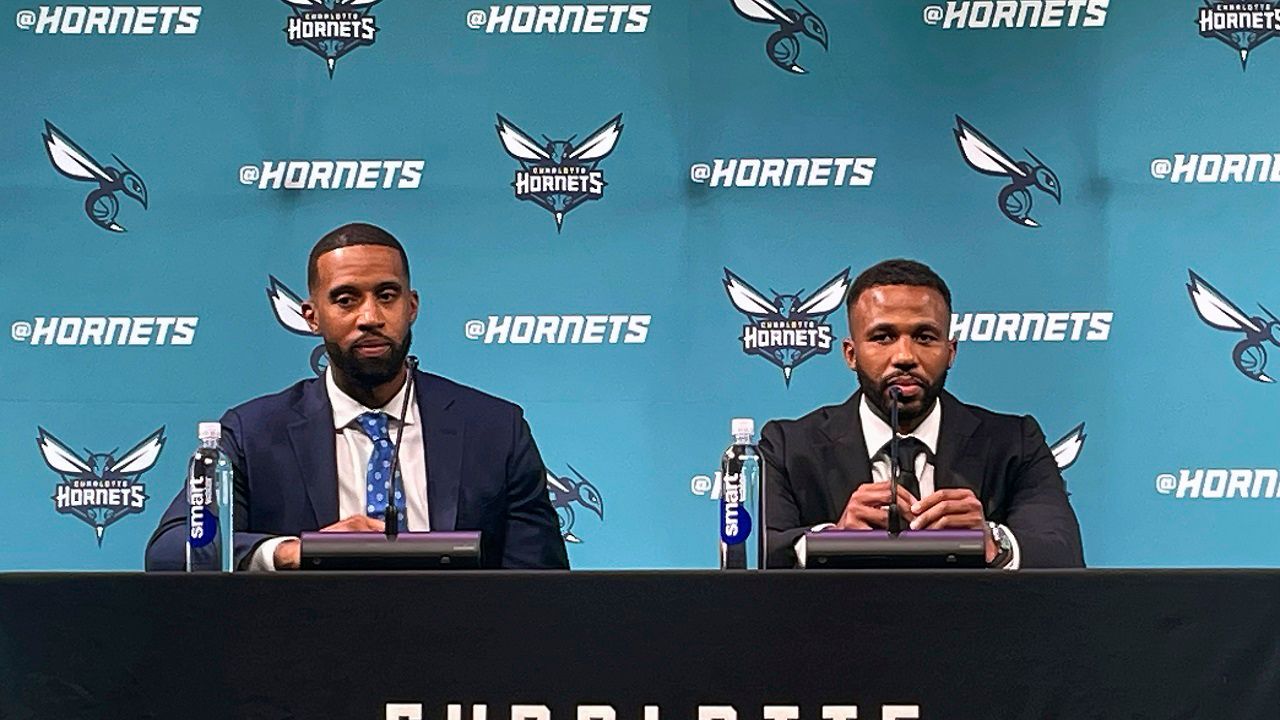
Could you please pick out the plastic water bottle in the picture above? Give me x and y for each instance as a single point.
(210, 502)
(741, 523)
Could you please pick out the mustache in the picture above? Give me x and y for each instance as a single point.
(900, 375)
(372, 336)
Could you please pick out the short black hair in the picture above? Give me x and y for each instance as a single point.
(898, 271)
(356, 233)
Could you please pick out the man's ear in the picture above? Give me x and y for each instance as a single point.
(413, 306)
(309, 314)
(952, 360)
(850, 354)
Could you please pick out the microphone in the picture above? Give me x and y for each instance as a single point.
(391, 516)
(895, 517)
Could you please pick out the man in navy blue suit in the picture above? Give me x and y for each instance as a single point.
(315, 456)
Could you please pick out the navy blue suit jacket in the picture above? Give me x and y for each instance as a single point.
(483, 473)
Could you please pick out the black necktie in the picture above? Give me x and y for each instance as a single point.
(909, 448)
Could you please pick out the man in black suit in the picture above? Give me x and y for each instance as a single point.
(316, 455)
(965, 467)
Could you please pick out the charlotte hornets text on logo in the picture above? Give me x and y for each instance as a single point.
(1220, 483)
(1090, 326)
(1218, 168)
(111, 20)
(99, 488)
(106, 330)
(988, 159)
(101, 205)
(1242, 26)
(331, 31)
(1250, 353)
(787, 329)
(785, 172)
(560, 175)
(334, 174)
(783, 46)
(567, 492)
(570, 18)
(286, 305)
(985, 14)
(626, 328)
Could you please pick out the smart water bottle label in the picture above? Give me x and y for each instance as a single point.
(735, 520)
(202, 525)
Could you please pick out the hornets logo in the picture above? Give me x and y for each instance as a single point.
(559, 175)
(102, 204)
(100, 488)
(786, 329)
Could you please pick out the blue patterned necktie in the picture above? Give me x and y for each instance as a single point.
(378, 475)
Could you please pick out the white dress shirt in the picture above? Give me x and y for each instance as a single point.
(876, 433)
(353, 448)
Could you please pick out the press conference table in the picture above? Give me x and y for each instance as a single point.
(690, 645)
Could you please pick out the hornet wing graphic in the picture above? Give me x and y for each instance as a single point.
(287, 307)
(519, 145)
(600, 143)
(141, 457)
(59, 457)
(762, 11)
(70, 159)
(747, 299)
(1067, 449)
(828, 297)
(982, 154)
(1216, 310)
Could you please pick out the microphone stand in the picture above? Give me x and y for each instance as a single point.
(895, 517)
(391, 516)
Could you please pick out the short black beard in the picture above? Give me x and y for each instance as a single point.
(370, 372)
(909, 414)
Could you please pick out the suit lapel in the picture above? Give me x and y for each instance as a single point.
(313, 439)
(849, 464)
(442, 437)
(961, 451)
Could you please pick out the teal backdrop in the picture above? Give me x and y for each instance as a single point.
(1155, 136)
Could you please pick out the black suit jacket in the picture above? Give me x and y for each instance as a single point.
(814, 464)
(484, 473)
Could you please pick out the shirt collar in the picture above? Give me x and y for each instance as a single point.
(876, 432)
(346, 409)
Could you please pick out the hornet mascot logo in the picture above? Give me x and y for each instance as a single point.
(565, 492)
(985, 157)
(1250, 354)
(331, 31)
(782, 47)
(99, 488)
(287, 307)
(559, 175)
(787, 329)
(72, 161)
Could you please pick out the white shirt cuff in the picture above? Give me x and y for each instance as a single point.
(263, 559)
(802, 553)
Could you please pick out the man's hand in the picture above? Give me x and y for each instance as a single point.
(954, 509)
(288, 553)
(866, 508)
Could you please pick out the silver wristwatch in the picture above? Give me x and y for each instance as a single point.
(1004, 545)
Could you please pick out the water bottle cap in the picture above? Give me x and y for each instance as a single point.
(209, 431)
(743, 426)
